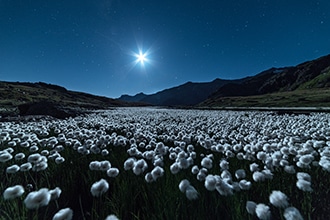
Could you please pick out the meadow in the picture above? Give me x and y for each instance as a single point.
(154, 163)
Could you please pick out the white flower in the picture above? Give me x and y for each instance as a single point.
(184, 185)
(19, 156)
(240, 174)
(95, 165)
(291, 213)
(99, 188)
(261, 155)
(304, 176)
(111, 217)
(59, 160)
(325, 163)
(36, 199)
(224, 165)
(25, 167)
(304, 185)
(33, 149)
(112, 172)
(104, 152)
(63, 214)
(13, 192)
(129, 163)
(34, 158)
(207, 162)
(290, 169)
(224, 188)
(306, 159)
(5, 156)
(12, 169)
(105, 165)
(140, 166)
(278, 199)
(254, 167)
(191, 193)
(251, 207)
(263, 211)
(244, 184)
(210, 182)
(55, 193)
(194, 170)
(157, 172)
(258, 176)
(148, 178)
(183, 163)
(175, 168)
(40, 166)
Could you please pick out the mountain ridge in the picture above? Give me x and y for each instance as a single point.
(272, 80)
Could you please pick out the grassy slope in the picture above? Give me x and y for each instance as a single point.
(297, 98)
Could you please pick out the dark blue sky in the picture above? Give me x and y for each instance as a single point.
(89, 46)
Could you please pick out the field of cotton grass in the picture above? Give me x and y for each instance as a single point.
(152, 163)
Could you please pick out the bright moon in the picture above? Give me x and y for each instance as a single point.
(141, 57)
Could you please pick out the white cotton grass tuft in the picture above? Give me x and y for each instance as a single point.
(183, 185)
(244, 184)
(210, 182)
(63, 214)
(224, 188)
(191, 193)
(25, 167)
(139, 167)
(129, 163)
(175, 168)
(111, 217)
(12, 169)
(304, 176)
(251, 207)
(13, 192)
(254, 167)
(113, 172)
(263, 211)
(55, 193)
(157, 172)
(194, 169)
(188, 189)
(19, 156)
(240, 174)
(59, 160)
(105, 165)
(304, 182)
(290, 169)
(278, 199)
(99, 188)
(258, 176)
(291, 213)
(207, 162)
(95, 165)
(37, 199)
(304, 185)
(5, 156)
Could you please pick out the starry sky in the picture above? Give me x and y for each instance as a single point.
(92, 45)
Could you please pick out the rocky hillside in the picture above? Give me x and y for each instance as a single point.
(46, 99)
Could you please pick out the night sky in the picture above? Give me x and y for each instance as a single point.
(92, 46)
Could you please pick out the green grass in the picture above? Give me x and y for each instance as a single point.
(297, 98)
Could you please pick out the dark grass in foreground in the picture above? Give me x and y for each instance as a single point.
(130, 197)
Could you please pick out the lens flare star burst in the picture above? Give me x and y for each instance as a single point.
(141, 57)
